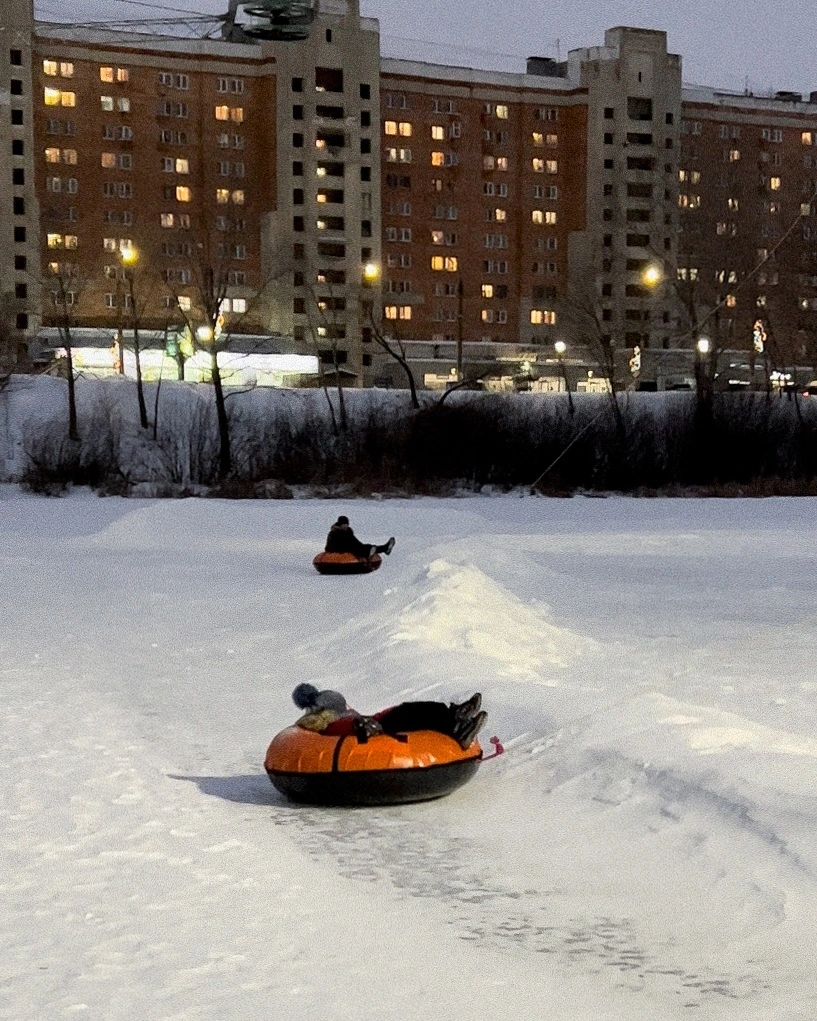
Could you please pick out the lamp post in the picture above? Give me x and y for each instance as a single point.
(702, 349)
(560, 347)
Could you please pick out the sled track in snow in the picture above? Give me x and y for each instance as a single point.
(387, 847)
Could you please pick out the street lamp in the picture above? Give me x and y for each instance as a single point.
(204, 334)
(128, 257)
(652, 275)
(560, 347)
(371, 271)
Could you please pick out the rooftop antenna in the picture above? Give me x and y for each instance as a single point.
(558, 51)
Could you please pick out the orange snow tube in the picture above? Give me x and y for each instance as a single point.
(383, 770)
(346, 563)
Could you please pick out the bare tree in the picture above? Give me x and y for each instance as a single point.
(210, 329)
(65, 286)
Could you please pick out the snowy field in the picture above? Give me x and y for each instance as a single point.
(645, 849)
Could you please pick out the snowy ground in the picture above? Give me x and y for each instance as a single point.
(646, 849)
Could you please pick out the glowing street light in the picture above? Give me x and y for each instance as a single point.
(652, 275)
(703, 345)
(371, 271)
(204, 334)
(560, 347)
(129, 256)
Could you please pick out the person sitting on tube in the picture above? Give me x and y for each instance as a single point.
(327, 712)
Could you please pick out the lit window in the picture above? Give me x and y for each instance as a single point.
(183, 193)
(552, 166)
(733, 204)
(487, 315)
(805, 209)
(550, 216)
(502, 163)
(109, 244)
(50, 68)
(404, 129)
(538, 216)
(437, 262)
(437, 159)
(182, 167)
(538, 138)
(237, 114)
(66, 69)
(239, 304)
(166, 219)
(122, 74)
(542, 316)
(502, 112)
(52, 155)
(488, 162)
(222, 113)
(222, 196)
(538, 166)
(552, 141)
(500, 215)
(184, 302)
(51, 97)
(807, 137)
(108, 159)
(437, 132)
(438, 237)
(734, 155)
(451, 263)
(238, 198)
(487, 290)
(774, 183)
(55, 241)
(731, 300)
(106, 102)
(106, 74)
(123, 104)
(390, 127)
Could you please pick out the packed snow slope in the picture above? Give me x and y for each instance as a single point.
(645, 849)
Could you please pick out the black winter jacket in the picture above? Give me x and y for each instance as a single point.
(342, 539)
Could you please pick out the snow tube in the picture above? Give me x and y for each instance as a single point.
(346, 563)
(326, 770)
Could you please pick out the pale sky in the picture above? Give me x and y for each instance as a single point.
(722, 42)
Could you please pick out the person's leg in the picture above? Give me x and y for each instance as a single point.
(402, 719)
(386, 548)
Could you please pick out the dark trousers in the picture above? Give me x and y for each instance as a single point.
(408, 716)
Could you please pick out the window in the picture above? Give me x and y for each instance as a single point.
(502, 163)
(184, 194)
(57, 97)
(437, 132)
(775, 183)
(106, 102)
(487, 290)
(538, 166)
(542, 317)
(328, 79)
(538, 138)
(501, 111)
(237, 197)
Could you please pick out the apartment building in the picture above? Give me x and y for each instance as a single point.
(477, 218)
(171, 172)
(519, 210)
(747, 265)
(19, 221)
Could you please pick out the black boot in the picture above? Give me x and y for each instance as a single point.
(468, 709)
(467, 732)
